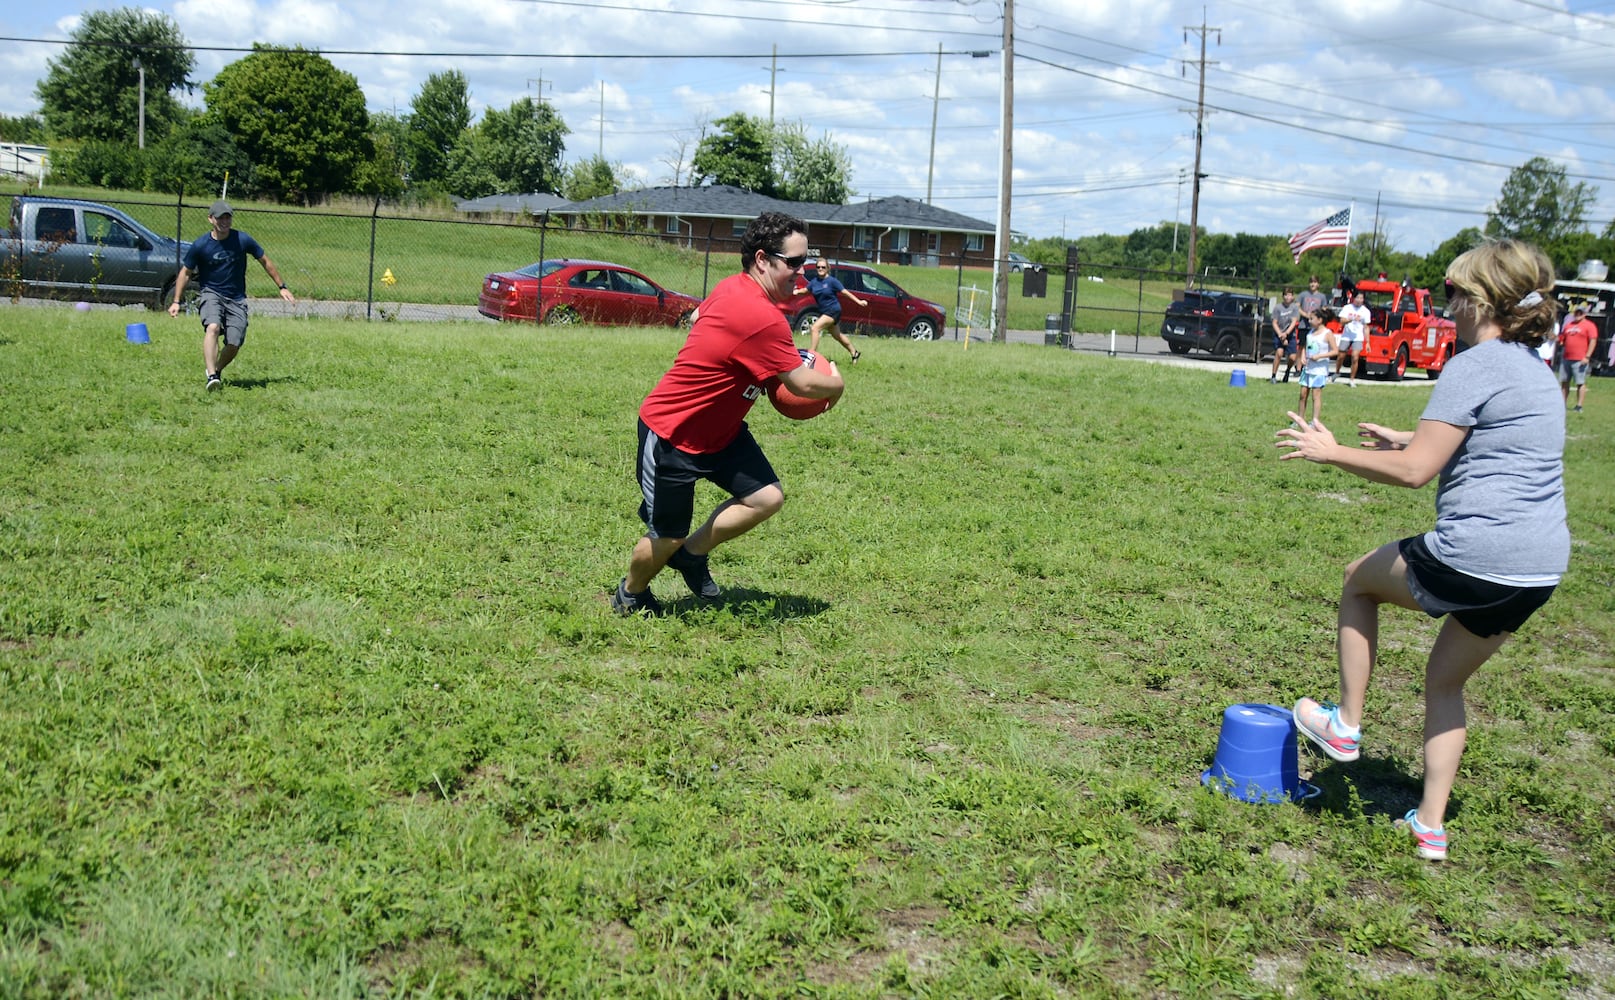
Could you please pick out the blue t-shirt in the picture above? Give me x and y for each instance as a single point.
(827, 291)
(1500, 506)
(221, 266)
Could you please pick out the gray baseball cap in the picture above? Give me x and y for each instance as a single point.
(220, 207)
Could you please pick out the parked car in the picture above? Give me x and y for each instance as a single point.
(1224, 324)
(1017, 262)
(65, 248)
(583, 291)
(890, 310)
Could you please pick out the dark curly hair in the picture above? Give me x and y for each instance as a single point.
(767, 233)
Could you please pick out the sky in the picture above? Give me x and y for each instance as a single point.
(1419, 106)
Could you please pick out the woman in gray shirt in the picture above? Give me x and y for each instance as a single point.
(1494, 433)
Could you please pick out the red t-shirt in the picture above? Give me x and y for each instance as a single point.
(1578, 339)
(740, 340)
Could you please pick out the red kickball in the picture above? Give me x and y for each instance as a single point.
(797, 407)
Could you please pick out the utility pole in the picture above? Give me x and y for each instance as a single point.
(602, 121)
(1177, 213)
(773, 71)
(141, 69)
(1006, 157)
(1199, 136)
(936, 98)
(540, 81)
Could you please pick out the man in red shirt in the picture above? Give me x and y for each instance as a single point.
(692, 426)
(1576, 344)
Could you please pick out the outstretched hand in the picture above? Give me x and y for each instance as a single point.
(1311, 441)
(1380, 438)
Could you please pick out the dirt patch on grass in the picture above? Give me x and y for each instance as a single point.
(908, 934)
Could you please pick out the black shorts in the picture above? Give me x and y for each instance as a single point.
(667, 478)
(1481, 606)
(1286, 345)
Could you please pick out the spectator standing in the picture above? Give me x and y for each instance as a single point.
(692, 426)
(1286, 346)
(218, 261)
(1577, 342)
(1319, 348)
(1354, 319)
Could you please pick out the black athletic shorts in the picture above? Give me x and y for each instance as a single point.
(1481, 606)
(667, 478)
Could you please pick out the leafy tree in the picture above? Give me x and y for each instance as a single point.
(440, 113)
(470, 166)
(93, 90)
(515, 151)
(195, 158)
(1538, 203)
(99, 163)
(29, 129)
(804, 170)
(386, 174)
(591, 178)
(299, 119)
(739, 154)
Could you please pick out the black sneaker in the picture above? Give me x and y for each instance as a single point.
(214, 382)
(642, 603)
(696, 575)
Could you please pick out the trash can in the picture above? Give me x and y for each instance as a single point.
(1034, 283)
(1052, 336)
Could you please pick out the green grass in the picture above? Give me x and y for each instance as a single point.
(311, 688)
(324, 253)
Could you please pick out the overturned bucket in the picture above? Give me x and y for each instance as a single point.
(137, 333)
(1237, 377)
(1257, 758)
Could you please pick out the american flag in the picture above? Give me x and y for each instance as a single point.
(1334, 231)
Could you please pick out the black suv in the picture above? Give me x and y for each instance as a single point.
(1224, 324)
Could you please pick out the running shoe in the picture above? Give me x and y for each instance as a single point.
(696, 574)
(642, 603)
(1432, 843)
(1320, 723)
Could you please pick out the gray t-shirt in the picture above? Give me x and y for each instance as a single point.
(1284, 315)
(1500, 506)
(1310, 302)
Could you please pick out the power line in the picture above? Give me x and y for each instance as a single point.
(616, 56)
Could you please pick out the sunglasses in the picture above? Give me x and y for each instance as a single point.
(794, 263)
(1451, 289)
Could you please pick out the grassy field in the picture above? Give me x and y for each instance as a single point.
(312, 688)
(325, 254)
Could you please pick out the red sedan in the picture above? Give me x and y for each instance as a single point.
(583, 291)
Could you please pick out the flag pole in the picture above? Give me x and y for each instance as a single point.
(1351, 210)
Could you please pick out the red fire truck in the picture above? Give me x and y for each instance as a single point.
(1405, 330)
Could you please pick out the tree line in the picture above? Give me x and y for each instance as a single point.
(1538, 203)
(288, 125)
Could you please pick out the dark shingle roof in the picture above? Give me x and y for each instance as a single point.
(530, 203)
(724, 202)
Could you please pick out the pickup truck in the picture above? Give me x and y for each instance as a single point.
(1404, 329)
(64, 248)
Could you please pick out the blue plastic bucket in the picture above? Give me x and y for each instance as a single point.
(1257, 758)
(1236, 378)
(137, 333)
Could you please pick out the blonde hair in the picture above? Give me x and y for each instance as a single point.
(1511, 283)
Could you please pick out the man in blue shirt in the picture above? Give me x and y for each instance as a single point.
(218, 261)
